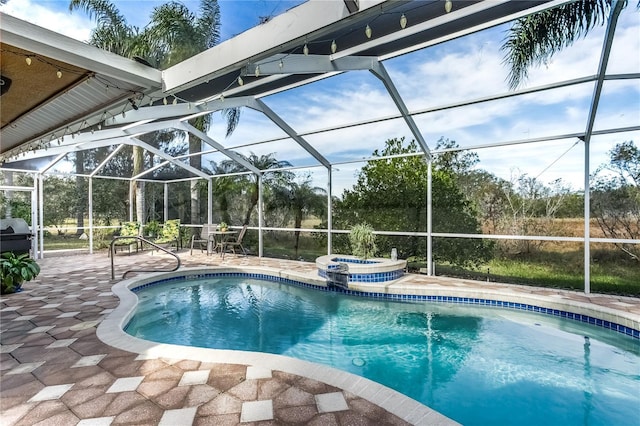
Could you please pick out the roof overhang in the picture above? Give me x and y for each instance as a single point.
(57, 83)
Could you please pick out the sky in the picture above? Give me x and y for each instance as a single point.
(463, 69)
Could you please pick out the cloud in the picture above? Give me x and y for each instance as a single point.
(76, 25)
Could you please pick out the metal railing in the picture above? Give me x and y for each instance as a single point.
(141, 240)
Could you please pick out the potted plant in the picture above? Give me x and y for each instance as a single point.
(152, 229)
(16, 270)
(363, 241)
(223, 227)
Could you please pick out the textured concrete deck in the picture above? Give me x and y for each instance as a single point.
(55, 370)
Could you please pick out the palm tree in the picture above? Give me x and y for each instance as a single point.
(264, 163)
(301, 198)
(534, 39)
(173, 35)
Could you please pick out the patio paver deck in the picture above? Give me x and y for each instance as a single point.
(54, 369)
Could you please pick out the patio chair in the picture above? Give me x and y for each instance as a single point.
(204, 237)
(128, 229)
(170, 234)
(234, 241)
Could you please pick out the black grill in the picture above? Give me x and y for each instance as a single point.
(15, 236)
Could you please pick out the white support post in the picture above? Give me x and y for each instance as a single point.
(595, 101)
(41, 216)
(430, 271)
(329, 210)
(260, 217)
(131, 191)
(90, 215)
(166, 202)
(34, 216)
(210, 201)
(587, 215)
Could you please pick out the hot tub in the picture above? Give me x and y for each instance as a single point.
(374, 270)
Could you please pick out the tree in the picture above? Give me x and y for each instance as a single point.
(616, 197)
(534, 39)
(456, 161)
(301, 198)
(390, 194)
(173, 35)
(178, 34)
(81, 192)
(532, 208)
(269, 178)
(59, 200)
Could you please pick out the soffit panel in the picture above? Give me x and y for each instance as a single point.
(93, 84)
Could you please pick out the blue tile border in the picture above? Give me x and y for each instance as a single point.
(408, 297)
(372, 277)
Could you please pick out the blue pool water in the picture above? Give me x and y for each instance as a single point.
(476, 365)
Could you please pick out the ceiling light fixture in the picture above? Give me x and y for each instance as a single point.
(367, 31)
(59, 74)
(175, 101)
(28, 60)
(448, 5)
(334, 46)
(257, 70)
(305, 50)
(240, 81)
(164, 100)
(281, 64)
(403, 21)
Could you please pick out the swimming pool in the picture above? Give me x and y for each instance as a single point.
(477, 365)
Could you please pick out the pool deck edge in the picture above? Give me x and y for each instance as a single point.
(111, 332)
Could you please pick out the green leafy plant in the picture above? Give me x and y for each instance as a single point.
(223, 226)
(16, 270)
(363, 241)
(152, 228)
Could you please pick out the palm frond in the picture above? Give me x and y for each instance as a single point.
(534, 39)
(209, 22)
(172, 31)
(104, 12)
(232, 115)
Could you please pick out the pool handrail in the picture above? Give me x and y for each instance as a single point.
(142, 240)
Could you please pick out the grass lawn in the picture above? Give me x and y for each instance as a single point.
(555, 270)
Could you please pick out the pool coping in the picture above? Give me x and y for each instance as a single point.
(111, 331)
